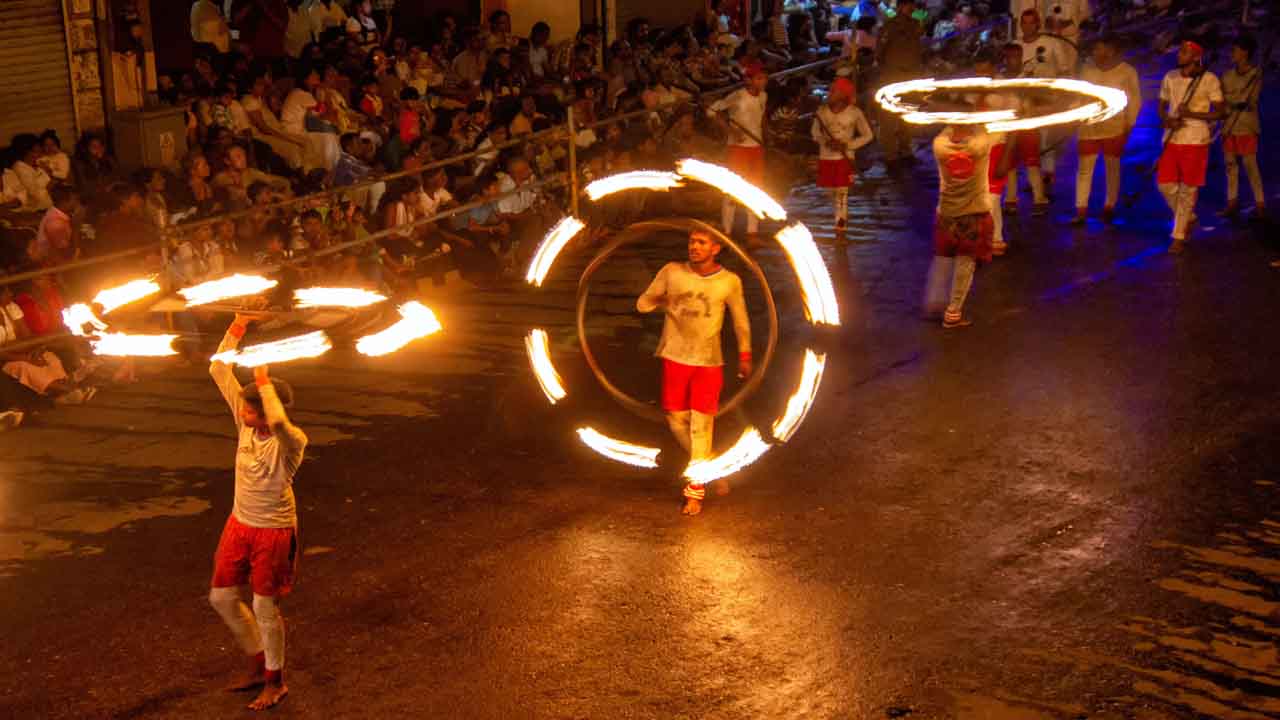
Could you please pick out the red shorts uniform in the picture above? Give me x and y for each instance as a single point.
(747, 162)
(1186, 164)
(1110, 147)
(996, 184)
(691, 387)
(1240, 144)
(1026, 148)
(835, 173)
(263, 558)
(966, 235)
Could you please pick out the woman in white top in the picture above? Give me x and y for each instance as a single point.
(322, 148)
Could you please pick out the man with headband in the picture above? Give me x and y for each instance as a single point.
(693, 296)
(839, 128)
(743, 113)
(1190, 100)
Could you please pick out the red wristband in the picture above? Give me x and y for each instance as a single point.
(261, 381)
(237, 330)
(744, 356)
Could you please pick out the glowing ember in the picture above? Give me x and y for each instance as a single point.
(226, 288)
(79, 315)
(416, 321)
(130, 292)
(335, 297)
(624, 452)
(634, 180)
(1108, 102)
(815, 283)
(557, 237)
(295, 348)
(122, 345)
(733, 185)
(803, 398)
(747, 450)
(540, 358)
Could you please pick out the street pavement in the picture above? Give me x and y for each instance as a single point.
(1064, 511)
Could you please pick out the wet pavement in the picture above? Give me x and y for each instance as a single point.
(1063, 511)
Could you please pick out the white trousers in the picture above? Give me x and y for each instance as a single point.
(1182, 201)
(949, 282)
(840, 200)
(258, 631)
(1250, 163)
(1084, 180)
(997, 221)
(727, 209)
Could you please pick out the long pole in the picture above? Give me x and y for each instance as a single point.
(573, 163)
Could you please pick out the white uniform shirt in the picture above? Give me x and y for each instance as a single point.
(694, 306)
(265, 467)
(294, 112)
(1121, 77)
(746, 110)
(1238, 88)
(848, 125)
(1174, 89)
(1046, 57)
(963, 187)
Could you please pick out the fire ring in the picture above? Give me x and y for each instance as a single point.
(1105, 102)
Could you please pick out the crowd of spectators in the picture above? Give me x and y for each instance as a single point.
(312, 124)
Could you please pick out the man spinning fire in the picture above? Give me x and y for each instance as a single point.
(694, 295)
(259, 543)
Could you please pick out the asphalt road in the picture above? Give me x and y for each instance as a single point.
(1064, 511)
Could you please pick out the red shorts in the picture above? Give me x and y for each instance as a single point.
(1026, 148)
(747, 162)
(965, 235)
(1184, 164)
(263, 558)
(691, 387)
(1240, 144)
(995, 184)
(835, 173)
(1111, 147)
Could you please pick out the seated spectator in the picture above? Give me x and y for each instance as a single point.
(298, 118)
(315, 234)
(194, 191)
(237, 176)
(35, 182)
(522, 123)
(13, 194)
(42, 305)
(484, 237)
(265, 126)
(125, 225)
(52, 159)
(56, 240)
(153, 182)
(92, 167)
(523, 208)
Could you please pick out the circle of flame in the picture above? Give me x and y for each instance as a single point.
(1107, 102)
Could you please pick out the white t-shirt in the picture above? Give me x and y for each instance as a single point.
(433, 201)
(694, 306)
(1046, 57)
(538, 59)
(517, 203)
(1122, 77)
(848, 125)
(1174, 89)
(963, 187)
(746, 110)
(294, 112)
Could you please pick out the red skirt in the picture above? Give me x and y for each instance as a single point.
(1240, 144)
(965, 235)
(835, 173)
(1186, 164)
(747, 162)
(263, 558)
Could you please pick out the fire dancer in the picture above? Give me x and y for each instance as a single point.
(1242, 86)
(743, 113)
(694, 295)
(963, 229)
(1190, 99)
(839, 128)
(259, 544)
(1109, 137)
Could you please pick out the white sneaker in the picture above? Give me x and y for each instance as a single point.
(10, 419)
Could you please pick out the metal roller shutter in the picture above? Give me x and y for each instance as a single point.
(35, 84)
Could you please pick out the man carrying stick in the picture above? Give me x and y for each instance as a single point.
(745, 111)
(1190, 99)
(694, 296)
(839, 128)
(259, 544)
(1242, 86)
(1109, 137)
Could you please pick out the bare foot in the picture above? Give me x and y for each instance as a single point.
(271, 695)
(720, 487)
(247, 681)
(691, 507)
